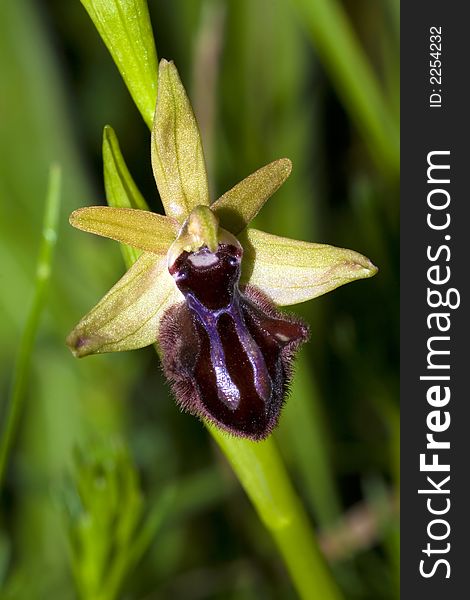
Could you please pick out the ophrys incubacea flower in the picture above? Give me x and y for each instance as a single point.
(206, 287)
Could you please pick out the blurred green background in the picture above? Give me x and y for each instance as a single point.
(101, 446)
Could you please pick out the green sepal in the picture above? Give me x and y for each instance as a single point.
(140, 229)
(291, 271)
(177, 156)
(129, 315)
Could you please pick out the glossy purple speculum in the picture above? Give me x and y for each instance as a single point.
(227, 353)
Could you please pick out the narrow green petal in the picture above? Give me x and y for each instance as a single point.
(289, 271)
(125, 28)
(237, 207)
(128, 317)
(177, 156)
(138, 228)
(121, 189)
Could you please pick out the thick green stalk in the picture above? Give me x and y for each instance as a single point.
(43, 271)
(260, 470)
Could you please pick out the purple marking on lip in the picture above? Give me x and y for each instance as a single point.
(227, 353)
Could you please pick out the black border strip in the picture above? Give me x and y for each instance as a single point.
(425, 129)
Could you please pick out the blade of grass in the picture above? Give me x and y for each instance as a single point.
(125, 28)
(209, 39)
(351, 73)
(125, 561)
(121, 190)
(43, 271)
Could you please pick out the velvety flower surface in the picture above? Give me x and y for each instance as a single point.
(206, 287)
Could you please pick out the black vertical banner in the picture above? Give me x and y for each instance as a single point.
(435, 274)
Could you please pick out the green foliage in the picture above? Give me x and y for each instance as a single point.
(107, 527)
(353, 76)
(43, 272)
(125, 28)
(333, 111)
(121, 189)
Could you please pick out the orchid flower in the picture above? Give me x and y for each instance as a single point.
(206, 287)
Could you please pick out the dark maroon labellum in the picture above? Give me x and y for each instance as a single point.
(227, 353)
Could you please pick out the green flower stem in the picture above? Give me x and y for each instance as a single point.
(43, 271)
(355, 81)
(261, 472)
